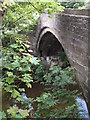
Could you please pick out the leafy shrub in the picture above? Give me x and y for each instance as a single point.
(39, 72)
(58, 101)
(18, 63)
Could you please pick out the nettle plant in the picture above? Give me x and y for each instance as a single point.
(58, 100)
(18, 63)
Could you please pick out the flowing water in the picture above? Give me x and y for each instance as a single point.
(83, 106)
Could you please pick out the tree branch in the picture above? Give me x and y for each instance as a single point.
(22, 15)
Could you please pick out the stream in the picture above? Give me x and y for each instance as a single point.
(83, 106)
(38, 89)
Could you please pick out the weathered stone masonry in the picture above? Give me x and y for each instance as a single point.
(71, 28)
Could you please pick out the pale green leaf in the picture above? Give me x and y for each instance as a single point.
(24, 113)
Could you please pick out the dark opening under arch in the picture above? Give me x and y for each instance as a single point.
(49, 45)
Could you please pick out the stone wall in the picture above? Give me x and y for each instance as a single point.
(71, 28)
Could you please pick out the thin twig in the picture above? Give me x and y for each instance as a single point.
(33, 5)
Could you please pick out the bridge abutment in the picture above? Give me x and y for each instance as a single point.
(71, 28)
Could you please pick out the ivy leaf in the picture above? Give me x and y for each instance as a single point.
(18, 116)
(9, 73)
(21, 50)
(2, 115)
(27, 78)
(57, 78)
(24, 113)
(10, 80)
(15, 93)
(8, 88)
(29, 85)
(15, 64)
(27, 68)
(14, 45)
(34, 60)
(24, 60)
(19, 98)
(8, 66)
(13, 110)
(21, 89)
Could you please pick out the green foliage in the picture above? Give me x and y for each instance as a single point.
(39, 72)
(23, 16)
(2, 115)
(74, 4)
(58, 101)
(20, 67)
(59, 76)
(17, 68)
(18, 63)
(43, 110)
(15, 112)
(63, 58)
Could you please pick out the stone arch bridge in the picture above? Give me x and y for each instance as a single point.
(71, 29)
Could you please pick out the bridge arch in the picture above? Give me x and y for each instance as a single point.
(49, 43)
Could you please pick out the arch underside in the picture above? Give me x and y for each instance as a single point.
(49, 45)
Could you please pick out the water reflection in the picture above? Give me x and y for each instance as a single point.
(83, 107)
(25, 100)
